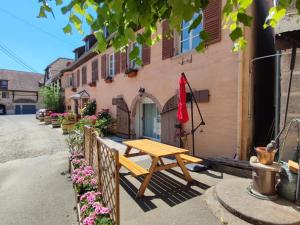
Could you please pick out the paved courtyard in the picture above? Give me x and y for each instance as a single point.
(34, 192)
(33, 187)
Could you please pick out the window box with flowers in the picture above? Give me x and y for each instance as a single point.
(68, 121)
(109, 80)
(131, 72)
(74, 89)
(55, 120)
(47, 117)
(92, 84)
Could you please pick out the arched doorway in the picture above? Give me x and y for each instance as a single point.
(146, 117)
(2, 109)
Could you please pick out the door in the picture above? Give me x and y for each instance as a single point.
(2, 110)
(151, 121)
(169, 121)
(28, 109)
(18, 109)
(123, 118)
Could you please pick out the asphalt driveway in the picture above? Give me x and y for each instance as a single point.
(34, 189)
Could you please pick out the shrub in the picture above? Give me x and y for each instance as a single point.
(89, 109)
(52, 97)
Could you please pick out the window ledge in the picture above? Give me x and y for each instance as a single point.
(193, 51)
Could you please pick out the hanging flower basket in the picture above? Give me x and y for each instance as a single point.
(130, 72)
(108, 80)
(92, 84)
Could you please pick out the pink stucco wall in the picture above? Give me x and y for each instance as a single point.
(215, 70)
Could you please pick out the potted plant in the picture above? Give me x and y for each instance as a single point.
(109, 80)
(92, 84)
(131, 72)
(67, 121)
(47, 117)
(41, 117)
(54, 120)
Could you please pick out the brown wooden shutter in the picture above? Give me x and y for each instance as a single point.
(146, 55)
(117, 62)
(95, 70)
(73, 81)
(78, 78)
(212, 21)
(123, 61)
(167, 42)
(103, 67)
(83, 75)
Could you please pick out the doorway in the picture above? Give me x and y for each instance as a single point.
(148, 120)
(2, 110)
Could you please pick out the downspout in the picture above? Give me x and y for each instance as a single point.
(240, 106)
(277, 91)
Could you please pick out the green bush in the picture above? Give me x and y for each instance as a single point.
(52, 98)
(89, 109)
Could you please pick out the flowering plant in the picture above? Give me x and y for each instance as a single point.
(78, 163)
(84, 179)
(92, 119)
(48, 113)
(76, 155)
(55, 115)
(67, 117)
(92, 211)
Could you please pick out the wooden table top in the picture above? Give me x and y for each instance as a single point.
(154, 148)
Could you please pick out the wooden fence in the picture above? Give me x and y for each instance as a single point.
(105, 162)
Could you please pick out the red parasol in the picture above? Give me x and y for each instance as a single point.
(182, 114)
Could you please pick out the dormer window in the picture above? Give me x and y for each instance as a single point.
(87, 45)
(3, 84)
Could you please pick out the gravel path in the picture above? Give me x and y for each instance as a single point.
(33, 187)
(22, 136)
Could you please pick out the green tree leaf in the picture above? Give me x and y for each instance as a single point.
(67, 29)
(245, 19)
(236, 34)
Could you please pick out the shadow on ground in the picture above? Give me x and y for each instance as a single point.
(164, 187)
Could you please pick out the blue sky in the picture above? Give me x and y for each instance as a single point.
(33, 46)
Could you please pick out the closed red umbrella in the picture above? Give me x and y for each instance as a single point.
(182, 114)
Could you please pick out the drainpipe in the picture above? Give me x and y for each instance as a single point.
(277, 91)
(240, 106)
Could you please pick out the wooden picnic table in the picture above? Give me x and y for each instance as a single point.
(157, 151)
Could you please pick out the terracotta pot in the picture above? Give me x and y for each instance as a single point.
(132, 73)
(265, 157)
(108, 81)
(47, 120)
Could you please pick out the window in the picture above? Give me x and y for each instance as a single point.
(95, 70)
(83, 74)
(78, 78)
(111, 65)
(5, 94)
(3, 84)
(190, 40)
(132, 63)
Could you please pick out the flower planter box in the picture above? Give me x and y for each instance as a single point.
(92, 84)
(108, 80)
(131, 72)
(55, 123)
(41, 118)
(67, 127)
(47, 120)
(74, 89)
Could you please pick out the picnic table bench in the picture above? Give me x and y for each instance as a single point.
(156, 151)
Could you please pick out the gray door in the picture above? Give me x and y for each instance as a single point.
(28, 109)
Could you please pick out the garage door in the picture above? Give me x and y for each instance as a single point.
(28, 109)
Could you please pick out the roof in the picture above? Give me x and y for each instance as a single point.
(81, 95)
(21, 80)
(56, 67)
(79, 48)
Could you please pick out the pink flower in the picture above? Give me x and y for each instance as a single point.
(91, 198)
(83, 208)
(94, 181)
(105, 210)
(90, 220)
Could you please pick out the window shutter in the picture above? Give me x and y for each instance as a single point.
(73, 81)
(103, 67)
(123, 61)
(167, 42)
(95, 70)
(83, 75)
(78, 78)
(146, 55)
(212, 21)
(117, 62)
